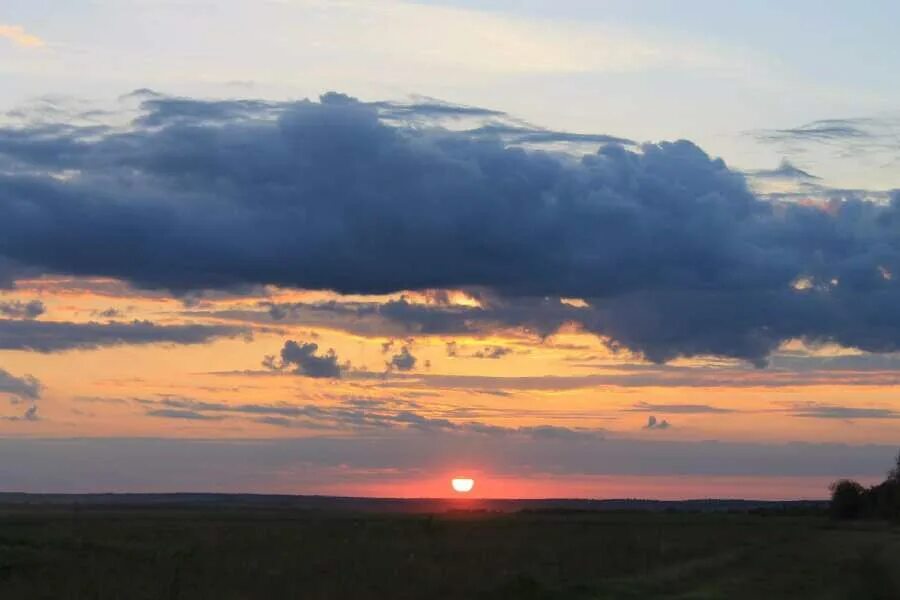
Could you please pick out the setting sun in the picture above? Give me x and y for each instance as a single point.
(462, 485)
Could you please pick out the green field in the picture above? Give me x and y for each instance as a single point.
(228, 553)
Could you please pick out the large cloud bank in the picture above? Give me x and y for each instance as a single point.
(671, 251)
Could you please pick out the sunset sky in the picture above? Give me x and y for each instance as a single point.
(583, 248)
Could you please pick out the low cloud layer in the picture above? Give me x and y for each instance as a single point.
(670, 250)
(299, 465)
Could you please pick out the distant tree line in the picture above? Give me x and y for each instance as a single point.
(851, 500)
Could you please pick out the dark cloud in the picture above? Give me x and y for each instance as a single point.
(542, 136)
(497, 124)
(671, 251)
(9, 272)
(541, 316)
(655, 424)
(58, 336)
(302, 359)
(22, 310)
(163, 111)
(26, 388)
(430, 107)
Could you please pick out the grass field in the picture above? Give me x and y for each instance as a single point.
(167, 552)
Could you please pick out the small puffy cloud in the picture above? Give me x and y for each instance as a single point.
(22, 310)
(403, 360)
(493, 352)
(655, 424)
(454, 350)
(18, 36)
(302, 358)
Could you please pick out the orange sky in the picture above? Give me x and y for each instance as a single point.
(570, 381)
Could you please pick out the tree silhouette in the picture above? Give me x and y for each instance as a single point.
(847, 499)
(894, 474)
(850, 500)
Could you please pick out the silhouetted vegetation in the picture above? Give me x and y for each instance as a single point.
(850, 500)
(847, 498)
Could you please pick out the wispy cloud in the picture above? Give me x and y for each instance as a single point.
(457, 39)
(685, 409)
(18, 36)
(816, 410)
(859, 154)
(821, 131)
(351, 413)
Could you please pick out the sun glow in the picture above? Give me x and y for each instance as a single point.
(462, 485)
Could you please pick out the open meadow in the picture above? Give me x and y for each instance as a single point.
(227, 552)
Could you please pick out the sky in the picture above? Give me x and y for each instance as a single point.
(570, 249)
